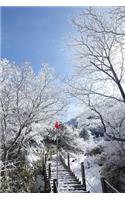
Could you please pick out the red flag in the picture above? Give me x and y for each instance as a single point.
(56, 125)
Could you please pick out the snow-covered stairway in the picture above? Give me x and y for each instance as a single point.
(67, 182)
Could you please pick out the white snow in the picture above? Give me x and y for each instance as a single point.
(31, 156)
(91, 172)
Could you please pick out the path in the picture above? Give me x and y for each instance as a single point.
(67, 181)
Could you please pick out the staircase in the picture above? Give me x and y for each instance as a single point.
(67, 181)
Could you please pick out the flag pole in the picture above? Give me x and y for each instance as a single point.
(57, 159)
(56, 125)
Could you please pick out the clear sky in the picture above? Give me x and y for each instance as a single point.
(38, 34)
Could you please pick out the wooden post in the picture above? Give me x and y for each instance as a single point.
(49, 171)
(43, 162)
(104, 187)
(45, 158)
(55, 186)
(68, 157)
(50, 155)
(83, 175)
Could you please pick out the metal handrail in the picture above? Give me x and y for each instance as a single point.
(114, 189)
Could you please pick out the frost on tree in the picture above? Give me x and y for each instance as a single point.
(98, 80)
(28, 104)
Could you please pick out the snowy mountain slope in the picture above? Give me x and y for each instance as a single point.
(88, 121)
(88, 124)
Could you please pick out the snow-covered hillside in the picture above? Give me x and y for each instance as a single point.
(91, 139)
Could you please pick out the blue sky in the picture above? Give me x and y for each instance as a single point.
(38, 34)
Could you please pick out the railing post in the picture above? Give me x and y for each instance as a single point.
(50, 155)
(103, 183)
(43, 162)
(49, 171)
(55, 186)
(45, 158)
(83, 175)
(68, 157)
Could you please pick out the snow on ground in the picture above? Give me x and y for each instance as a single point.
(31, 156)
(91, 172)
(92, 169)
(92, 175)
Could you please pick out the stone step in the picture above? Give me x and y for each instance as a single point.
(63, 175)
(61, 178)
(72, 186)
(67, 181)
(61, 172)
(72, 182)
(71, 191)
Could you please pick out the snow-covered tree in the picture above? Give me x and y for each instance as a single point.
(100, 55)
(99, 79)
(26, 99)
